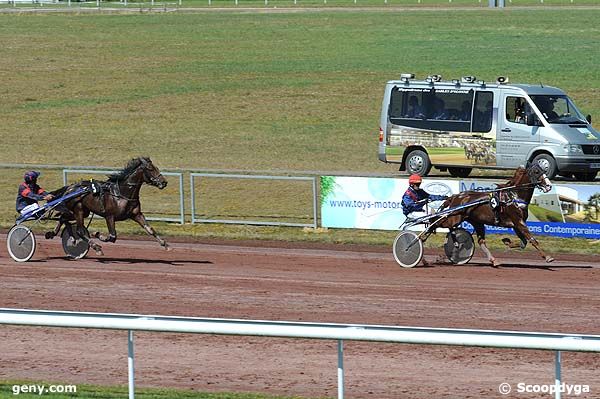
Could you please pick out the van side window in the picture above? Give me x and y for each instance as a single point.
(515, 109)
(428, 109)
(482, 115)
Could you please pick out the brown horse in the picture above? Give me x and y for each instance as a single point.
(508, 207)
(116, 199)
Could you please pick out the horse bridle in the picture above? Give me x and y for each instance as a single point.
(153, 179)
(538, 178)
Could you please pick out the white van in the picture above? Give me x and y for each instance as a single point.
(463, 124)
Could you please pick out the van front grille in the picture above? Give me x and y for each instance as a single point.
(590, 149)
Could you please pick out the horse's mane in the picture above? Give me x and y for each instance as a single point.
(516, 179)
(131, 166)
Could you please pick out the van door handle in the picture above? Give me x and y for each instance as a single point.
(506, 130)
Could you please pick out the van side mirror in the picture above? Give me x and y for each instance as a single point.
(589, 119)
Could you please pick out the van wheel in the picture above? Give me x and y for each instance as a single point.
(547, 163)
(585, 176)
(417, 162)
(459, 172)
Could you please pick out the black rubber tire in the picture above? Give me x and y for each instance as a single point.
(418, 162)
(547, 163)
(459, 246)
(459, 172)
(73, 245)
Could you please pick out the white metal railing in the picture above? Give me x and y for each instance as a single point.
(339, 332)
(312, 180)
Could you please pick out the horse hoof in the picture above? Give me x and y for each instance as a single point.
(494, 263)
(49, 235)
(506, 241)
(549, 259)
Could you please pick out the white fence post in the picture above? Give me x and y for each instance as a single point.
(130, 365)
(340, 345)
(557, 378)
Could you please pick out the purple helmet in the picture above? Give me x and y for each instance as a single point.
(31, 176)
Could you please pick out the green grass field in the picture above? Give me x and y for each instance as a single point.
(8, 389)
(298, 91)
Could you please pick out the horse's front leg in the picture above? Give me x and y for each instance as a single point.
(480, 231)
(112, 231)
(523, 232)
(141, 220)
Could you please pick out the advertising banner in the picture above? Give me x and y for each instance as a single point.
(568, 210)
(371, 203)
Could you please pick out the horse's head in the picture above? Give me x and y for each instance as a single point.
(538, 177)
(152, 175)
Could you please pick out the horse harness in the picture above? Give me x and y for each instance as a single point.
(504, 197)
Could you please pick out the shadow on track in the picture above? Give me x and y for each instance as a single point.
(152, 261)
(132, 261)
(505, 265)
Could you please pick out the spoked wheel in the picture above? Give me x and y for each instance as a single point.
(74, 246)
(408, 249)
(20, 243)
(459, 246)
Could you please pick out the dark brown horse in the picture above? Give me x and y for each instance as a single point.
(508, 207)
(116, 199)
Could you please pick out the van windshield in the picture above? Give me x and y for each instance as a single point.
(558, 109)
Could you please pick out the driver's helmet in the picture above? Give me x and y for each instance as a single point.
(415, 179)
(31, 176)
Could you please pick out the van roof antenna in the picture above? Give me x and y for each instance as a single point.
(541, 85)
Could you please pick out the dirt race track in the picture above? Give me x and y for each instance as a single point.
(335, 284)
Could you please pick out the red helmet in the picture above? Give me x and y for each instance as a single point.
(415, 179)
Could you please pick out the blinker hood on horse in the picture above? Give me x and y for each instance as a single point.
(115, 199)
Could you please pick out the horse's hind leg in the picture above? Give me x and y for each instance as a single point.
(141, 220)
(51, 234)
(81, 231)
(112, 231)
(480, 231)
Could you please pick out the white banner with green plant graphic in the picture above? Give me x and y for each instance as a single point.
(568, 210)
(371, 203)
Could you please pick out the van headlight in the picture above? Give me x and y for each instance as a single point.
(573, 148)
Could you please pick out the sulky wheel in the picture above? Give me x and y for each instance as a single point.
(459, 246)
(408, 249)
(21, 243)
(74, 246)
